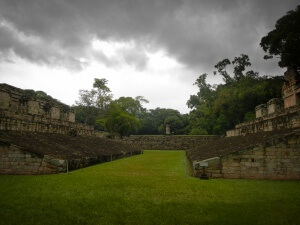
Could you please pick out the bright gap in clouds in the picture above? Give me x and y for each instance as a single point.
(165, 82)
(107, 48)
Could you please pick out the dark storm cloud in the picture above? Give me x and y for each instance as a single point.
(198, 33)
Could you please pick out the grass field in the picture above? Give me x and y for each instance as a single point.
(153, 188)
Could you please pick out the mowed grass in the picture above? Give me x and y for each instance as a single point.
(153, 188)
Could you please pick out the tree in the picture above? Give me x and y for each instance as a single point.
(119, 122)
(240, 63)
(154, 121)
(205, 91)
(87, 115)
(284, 40)
(92, 103)
(100, 96)
(221, 67)
(103, 93)
(175, 123)
(239, 66)
(218, 108)
(131, 105)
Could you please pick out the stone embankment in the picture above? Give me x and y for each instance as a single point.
(263, 155)
(168, 142)
(42, 153)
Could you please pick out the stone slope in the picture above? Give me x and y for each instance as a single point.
(64, 146)
(228, 145)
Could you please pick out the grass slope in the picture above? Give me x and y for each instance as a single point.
(153, 188)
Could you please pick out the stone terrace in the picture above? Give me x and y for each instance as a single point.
(263, 155)
(40, 153)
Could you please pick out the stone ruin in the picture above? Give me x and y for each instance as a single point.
(19, 111)
(38, 136)
(291, 88)
(266, 148)
(273, 155)
(278, 113)
(168, 129)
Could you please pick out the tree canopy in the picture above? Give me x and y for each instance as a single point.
(96, 107)
(284, 40)
(118, 122)
(99, 96)
(218, 108)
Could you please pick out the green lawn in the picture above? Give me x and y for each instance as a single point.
(153, 188)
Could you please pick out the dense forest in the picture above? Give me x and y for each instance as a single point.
(214, 109)
(218, 108)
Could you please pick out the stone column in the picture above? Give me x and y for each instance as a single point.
(168, 129)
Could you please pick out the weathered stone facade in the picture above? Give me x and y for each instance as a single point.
(40, 153)
(15, 100)
(277, 113)
(22, 113)
(277, 118)
(276, 160)
(167, 142)
(291, 88)
(15, 160)
(39, 136)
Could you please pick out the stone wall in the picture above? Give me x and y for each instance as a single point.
(278, 113)
(167, 142)
(23, 113)
(16, 100)
(15, 160)
(37, 123)
(276, 160)
(291, 88)
(280, 119)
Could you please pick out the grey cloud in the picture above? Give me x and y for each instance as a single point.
(196, 32)
(135, 57)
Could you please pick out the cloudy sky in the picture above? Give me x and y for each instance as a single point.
(153, 48)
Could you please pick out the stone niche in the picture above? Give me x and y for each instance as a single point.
(33, 107)
(72, 117)
(4, 100)
(55, 113)
(275, 105)
(261, 110)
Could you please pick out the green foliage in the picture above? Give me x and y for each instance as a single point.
(216, 109)
(240, 64)
(249, 116)
(174, 122)
(97, 108)
(117, 121)
(155, 120)
(221, 67)
(100, 96)
(29, 93)
(88, 115)
(131, 105)
(284, 40)
(153, 188)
